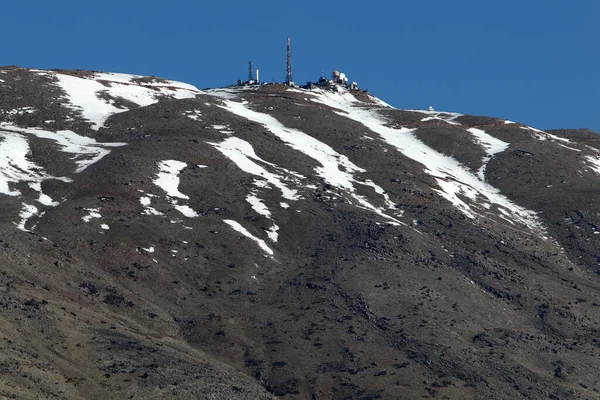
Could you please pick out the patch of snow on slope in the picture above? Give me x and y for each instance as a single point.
(136, 94)
(222, 129)
(143, 80)
(455, 181)
(336, 169)
(440, 117)
(594, 163)
(239, 228)
(258, 205)
(225, 93)
(44, 198)
(168, 180)
(145, 200)
(16, 166)
(186, 211)
(168, 177)
(193, 115)
(27, 212)
(83, 93)
(541, 135)
(92, 213)
(87, 150)
(448, 117)
(272, 233)
(490, 144)
(568, 147)
(113, 77)
(242, 154)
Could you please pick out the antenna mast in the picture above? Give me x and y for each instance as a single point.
(288, 73)
(250, 73)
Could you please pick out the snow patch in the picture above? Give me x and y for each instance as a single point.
(594, 163)
(186, 211)
(239, 228)
(168, 177)
(92, 213)
(242, 154)
(148, 210)
(168, 180)
(490, 144)
(44, 198)
(568, 148)
(448, 118)
(84, 93)
(258, 205)
(445, 116)
(26, 213)
(272, 233)
(16, 165)
(193, 115)
(87, 150)
(541, 135)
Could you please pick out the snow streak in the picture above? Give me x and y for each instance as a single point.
(335, 168)
(457, 183)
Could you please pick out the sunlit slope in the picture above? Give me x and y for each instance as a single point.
(256, 242)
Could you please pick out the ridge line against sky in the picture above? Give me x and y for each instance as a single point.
(528, 62)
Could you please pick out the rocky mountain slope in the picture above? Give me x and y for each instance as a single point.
(158, 241)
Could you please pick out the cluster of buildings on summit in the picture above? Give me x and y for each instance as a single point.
(338, 79)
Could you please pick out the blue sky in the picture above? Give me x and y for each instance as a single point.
(530, 61)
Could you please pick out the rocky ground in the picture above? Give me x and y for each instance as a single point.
(361, 296)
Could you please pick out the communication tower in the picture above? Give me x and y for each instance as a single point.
(288, 73)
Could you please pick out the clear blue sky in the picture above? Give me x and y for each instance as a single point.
(531, 61)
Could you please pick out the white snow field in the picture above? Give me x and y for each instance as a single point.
(84, 93)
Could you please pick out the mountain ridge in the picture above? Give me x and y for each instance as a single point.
(160, 241)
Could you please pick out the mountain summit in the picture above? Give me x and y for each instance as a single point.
(160, 241)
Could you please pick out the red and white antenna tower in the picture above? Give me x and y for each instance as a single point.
(288, 73)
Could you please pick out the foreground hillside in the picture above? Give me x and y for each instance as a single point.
(158, 241)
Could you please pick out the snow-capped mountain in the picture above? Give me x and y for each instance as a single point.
(161, 241)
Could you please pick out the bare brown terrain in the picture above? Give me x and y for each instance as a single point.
(142, 304)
